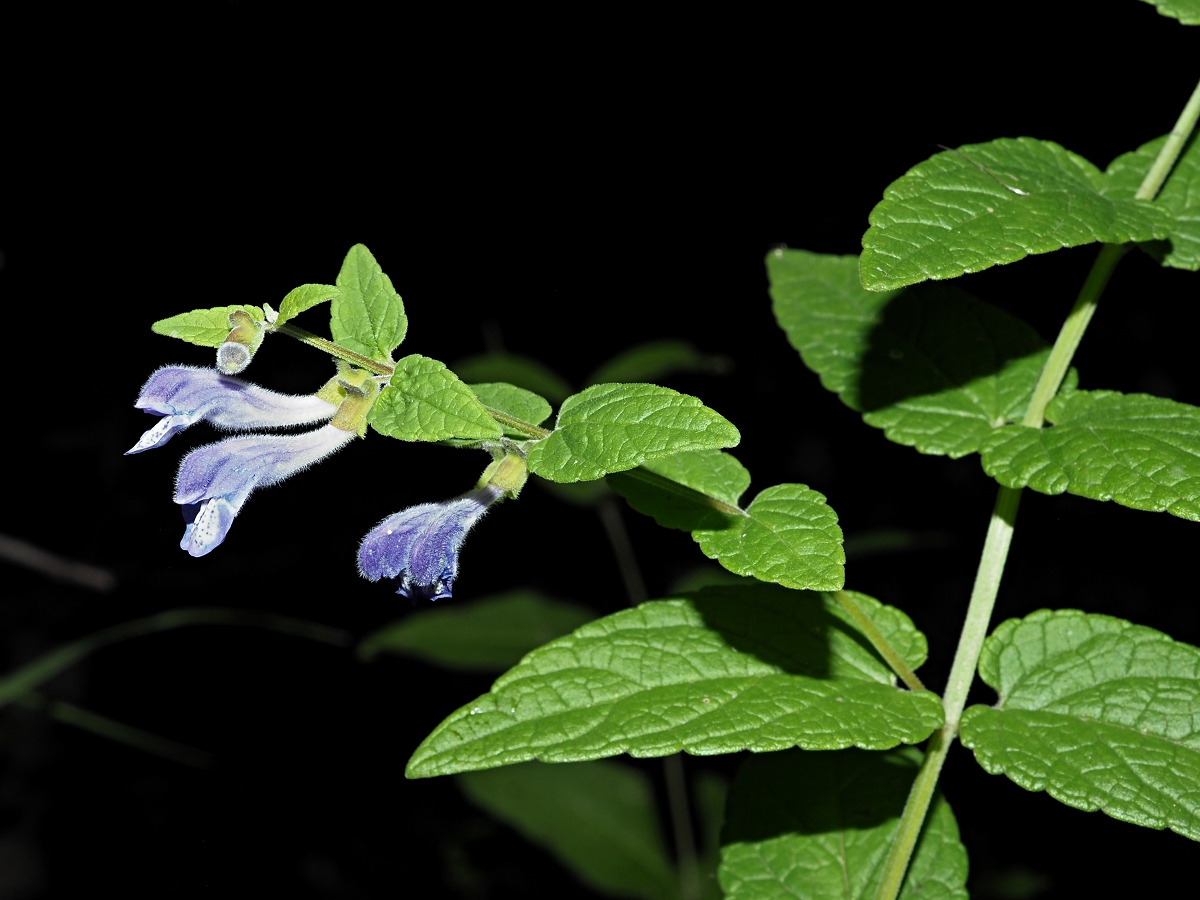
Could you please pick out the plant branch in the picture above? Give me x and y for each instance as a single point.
(878, 641)
(335, 350)
(1163, 163)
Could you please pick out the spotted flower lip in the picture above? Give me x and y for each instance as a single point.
(420, 545)
(185, 395)
(215, 480)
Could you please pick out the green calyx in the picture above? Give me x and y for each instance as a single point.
(357, 390)
(508, 473)
(243, 341)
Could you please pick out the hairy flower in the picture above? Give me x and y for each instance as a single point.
(185, 395)
(215, 480)
(420, 545)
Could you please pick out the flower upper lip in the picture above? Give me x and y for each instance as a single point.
(185, 395)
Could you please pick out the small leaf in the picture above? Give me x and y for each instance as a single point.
(426, 402)
(1186, 11)
(654, 361)
(598, 819)
(1096, 711)
(1180, 196)
(490, 634)
(788, 535)
(368, 315)
(1141, 451)
(751, 667)
(818, 825)
(205, 327)
(932, 366)
(304, 297)
(988, 204)
(614, 427)
(515, 401)
(523, 371)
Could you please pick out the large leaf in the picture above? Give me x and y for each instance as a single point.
(987, 204)
(654, 361)
(1141, 451)
(425, 401)
(932, 366)
(751, 667)
(523, 371)
(598, 818)
(819, 825)
(1180, 196)
(368, 315)
(614, 427)
(1098, 712)
(304, 297)
(205, 327)
(488, 635)
(1186, 11)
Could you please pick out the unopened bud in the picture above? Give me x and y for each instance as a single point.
(238, 348)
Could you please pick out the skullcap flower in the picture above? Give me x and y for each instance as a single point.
(184, 395)
(420, 545)
(215, 480)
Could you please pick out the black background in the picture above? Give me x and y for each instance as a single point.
(569, 185)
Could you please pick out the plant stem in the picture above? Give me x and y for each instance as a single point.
(1004, 515)
(103, 726)
(526, 428)
(1171, 149)
(335, 350)
(878, 641)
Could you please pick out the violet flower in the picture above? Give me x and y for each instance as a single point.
(420, 545)
(184, 395)
(215, 480)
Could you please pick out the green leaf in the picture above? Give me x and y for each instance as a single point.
(304, 297)
(614, 427)
(932, 366)
(788, 535)
(206, 327)
(598, 819)
(959, 212)
(817, 825)
(515, 401)
(1096, 711)
(368, 315)
(1186, 11)
(523, 371)
(1141, 451)
(654, 361)
(1180, 196)
(426, 402)
(751, 667)
(490, 634)
(697, 478)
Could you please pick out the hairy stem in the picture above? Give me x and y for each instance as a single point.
(878, 641)
(335, 350)
(1000, 529)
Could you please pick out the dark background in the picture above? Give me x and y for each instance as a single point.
(568, 186)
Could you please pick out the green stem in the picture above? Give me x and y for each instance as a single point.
(30, 676)
(878, 641)
(999, 536)
(70, 714)
(1171, 149)
(516, 424)
(335, 350)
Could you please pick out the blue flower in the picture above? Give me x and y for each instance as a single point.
(215, 480)
(184, 395)
(420, 545)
